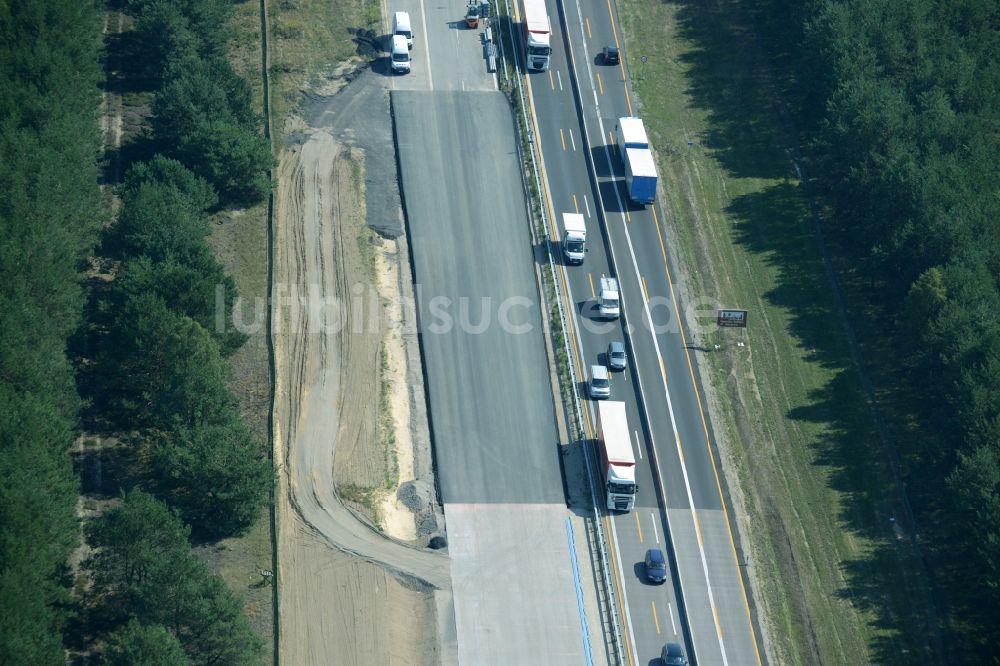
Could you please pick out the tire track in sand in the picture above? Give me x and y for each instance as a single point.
(308, 374)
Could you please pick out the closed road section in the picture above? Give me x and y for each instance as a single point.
(489, 397)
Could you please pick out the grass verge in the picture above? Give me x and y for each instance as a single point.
(308, 37)
(309, 40)
(386, 426)
(833, 582)
(240, 562)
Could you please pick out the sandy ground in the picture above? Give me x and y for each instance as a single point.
(397, 520)
(348, 594)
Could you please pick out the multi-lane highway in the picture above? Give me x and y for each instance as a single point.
(518, 591)
(679, 507)
(495, 444)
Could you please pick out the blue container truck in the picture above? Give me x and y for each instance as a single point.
(640, 175)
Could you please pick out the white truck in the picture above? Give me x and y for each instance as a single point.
(640, 168)
(537, 35)
(574, 238)
(617, 458)
(630, 133)
(608, 300)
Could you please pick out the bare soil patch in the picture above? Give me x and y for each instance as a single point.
(339, 371)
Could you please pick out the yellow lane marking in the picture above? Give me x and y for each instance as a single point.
(628, 218)
(589, 36)
(711, 456)
(715, 614)
(621, 61)
(697, 526)
(663, 247)
(638, 526)
(552, 82)
(575, 204)
(590, 277)
(600, 84)
(656, 619)
(562, 137)
(628, 98)
(645, 291)
(571, 323)
(621, 601)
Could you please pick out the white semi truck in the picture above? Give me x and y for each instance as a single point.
(617, 458)
(537, 35)
(574, 238)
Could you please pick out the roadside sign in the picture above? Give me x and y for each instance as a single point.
(732, 318)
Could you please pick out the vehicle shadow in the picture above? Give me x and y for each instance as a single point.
(383, 66)
(595, 322)
(600, 156)
(639, 570)
(614, 197)
(599, 61)
(576, 476)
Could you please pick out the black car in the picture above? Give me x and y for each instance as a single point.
(656, 566)
(611, 55)
(673, 655)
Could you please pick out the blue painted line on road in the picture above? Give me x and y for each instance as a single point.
(579, 592)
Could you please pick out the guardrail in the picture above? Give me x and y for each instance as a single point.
(617, 639)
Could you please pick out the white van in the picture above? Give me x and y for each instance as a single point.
(400, 54)
(600, 383)
(401, 27)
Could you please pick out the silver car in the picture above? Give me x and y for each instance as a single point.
(617, 359)
(600, 382)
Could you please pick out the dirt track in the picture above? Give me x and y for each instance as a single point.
(347, 593)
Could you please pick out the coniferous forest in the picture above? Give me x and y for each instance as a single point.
(897, 106)
(109, 328)
(50, 214)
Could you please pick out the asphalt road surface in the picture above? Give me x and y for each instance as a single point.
(518, 596)
(489, 427)
(480, 321)
(673, 436)
(490, 402)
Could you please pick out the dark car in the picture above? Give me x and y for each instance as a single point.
(617, 360)
(611, 55)
(656, 566)
(673, 655)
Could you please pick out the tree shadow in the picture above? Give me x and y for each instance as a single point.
(732, 80)
(129, 64)
(744, 84)
(107, 467)
(774, 224)
(115, 162)
(368, 43)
